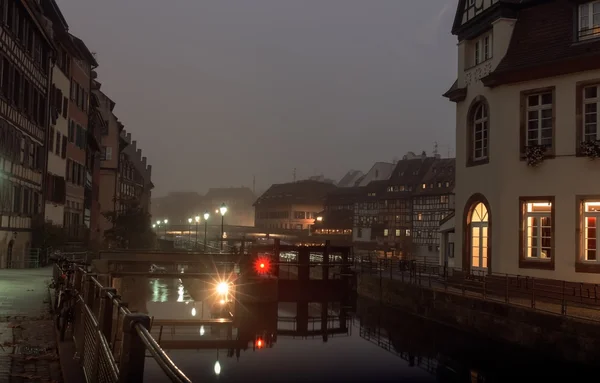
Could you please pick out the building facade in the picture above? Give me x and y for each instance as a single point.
(77, 214)
(55, 184)
(25, 82)
(239, 202)
(432, 202)
(527, 123)
(291, 206)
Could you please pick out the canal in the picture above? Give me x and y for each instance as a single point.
(366, 342)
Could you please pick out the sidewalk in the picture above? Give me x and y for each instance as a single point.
(27, 337)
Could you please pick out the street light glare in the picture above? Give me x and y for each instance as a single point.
(189, 220)
(223, 209)
(158, 222)
(206, 215)
(217, 368)
(197, 218)
(223, 288)
(166, 221)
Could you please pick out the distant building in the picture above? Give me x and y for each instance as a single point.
(177, 207)
(321, 178)
(337, 217)
(432, 202)
(292, 206)
(239, 202)
(351, 179)
(381, 171)
(367, 225)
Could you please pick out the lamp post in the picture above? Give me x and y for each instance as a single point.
(223, 210)
(206, 216)
(166, 221)
(197, 219)
(190, 230)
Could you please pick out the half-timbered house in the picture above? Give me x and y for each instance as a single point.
(25, 72)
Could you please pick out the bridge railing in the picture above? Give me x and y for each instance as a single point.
(111, 342)
(574, 299)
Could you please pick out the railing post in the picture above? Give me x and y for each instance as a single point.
(563, 309)
(532, 293)
(105, 318)
(131, 367)
(88, 295)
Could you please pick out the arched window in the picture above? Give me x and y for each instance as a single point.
(479, 237)
(480, 132)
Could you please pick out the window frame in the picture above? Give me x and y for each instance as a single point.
(590, 9)
(530, 262)
(550, 151)
(471, 160)
(581, 264)
(580, 112)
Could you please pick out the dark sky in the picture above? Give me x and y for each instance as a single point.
(216, 91)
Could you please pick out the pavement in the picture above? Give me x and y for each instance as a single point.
(28, 348)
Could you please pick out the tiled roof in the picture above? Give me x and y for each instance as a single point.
(301, 192)
(543, 37)
(442, 171)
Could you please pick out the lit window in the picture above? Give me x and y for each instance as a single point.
(538, 230)
(397, 232)
(407, 232)
(591, 112)
(539, 119)
(386, 232)
(419, 217)
(591, 213)
(424, 186)
(589, 20)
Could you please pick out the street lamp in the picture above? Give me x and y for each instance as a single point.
(166, 221)
(206, 215)
(190, 230)
(197, 219)
(223, 210)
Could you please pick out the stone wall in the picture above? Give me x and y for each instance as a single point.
(567, 338)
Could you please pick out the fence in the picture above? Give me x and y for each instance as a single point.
(574, 299)
(23, 259)
(111, 342)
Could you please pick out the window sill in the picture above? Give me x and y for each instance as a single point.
(483, 161)
(587, 267)
(533, 263)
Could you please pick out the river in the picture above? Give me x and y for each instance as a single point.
(381, 344)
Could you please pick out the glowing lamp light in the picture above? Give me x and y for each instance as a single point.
(259, 343)
(193, 311)
(262, 265)
(206, 216)
(189, 220)
(201, 330)
(217, 368)
(223, 288)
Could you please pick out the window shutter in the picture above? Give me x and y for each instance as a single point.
(40, 157)
(61, 190)
(64, 147)
(26, 153)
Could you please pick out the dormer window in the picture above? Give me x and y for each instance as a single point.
(483, 49)
(589, 20)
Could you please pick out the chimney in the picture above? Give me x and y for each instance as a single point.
(134, 145)
(129, 138)
(144, 161)
(138, 154)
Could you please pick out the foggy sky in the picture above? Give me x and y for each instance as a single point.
(216, 91)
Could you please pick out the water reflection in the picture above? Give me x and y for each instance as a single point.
(317, 341)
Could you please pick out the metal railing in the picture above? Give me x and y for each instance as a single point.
(574, 299)
(111, 342)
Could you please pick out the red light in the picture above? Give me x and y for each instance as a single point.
(259, 343)
(262, 266)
